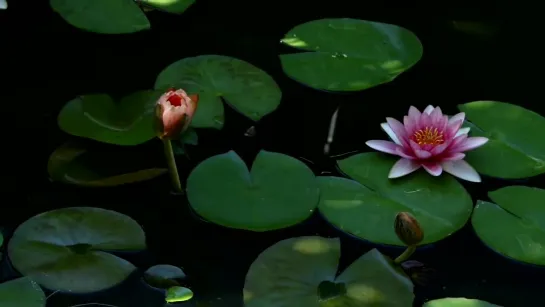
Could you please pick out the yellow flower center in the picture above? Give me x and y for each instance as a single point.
(428, 136)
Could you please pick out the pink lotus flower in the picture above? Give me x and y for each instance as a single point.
(429, 140)
(174, 111)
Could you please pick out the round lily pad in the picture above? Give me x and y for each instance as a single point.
(73, 164)
(458, 302)
(170, 6)
(368, 209)
(163, 276)
(520, 211)
(21, 292)
(301, 272)
(102, 16)
(349, 54)
(246, 88)
(99, 117)
(67, 249)
(278, 192)
(516, 148)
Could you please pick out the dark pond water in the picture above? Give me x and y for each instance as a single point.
(49, 62)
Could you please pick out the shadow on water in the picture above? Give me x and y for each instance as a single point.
(50, 62)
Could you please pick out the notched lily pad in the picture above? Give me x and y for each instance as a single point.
(279, 191)
(349, 54)
(520, 211)
(21, 292)
(458, 302)
(246, 88)
(67, 249)
(367, 208)
(72, 163)
(170, 6)
(163, 276)
(178, 294)
(309, 264)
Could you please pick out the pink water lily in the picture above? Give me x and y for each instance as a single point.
(430, 140)
(174, 111)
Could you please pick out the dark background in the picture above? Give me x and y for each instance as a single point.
(46, 62)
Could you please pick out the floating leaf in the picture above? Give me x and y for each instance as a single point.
(368, 209)
(516, 148)
(349, 54)
(163, 276)
(170, 6)
(21, 292)
(245, 87)
(301, 272)
(102, 16)
(458, 302)
(279, 191)
(178, 294)
(73, 164)
(520, 211)
(66, 249)
(99, 117)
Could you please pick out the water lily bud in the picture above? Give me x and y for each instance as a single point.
(408, 229)
(173, 112)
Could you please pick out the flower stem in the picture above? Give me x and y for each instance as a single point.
(173, 170)
(406, 254)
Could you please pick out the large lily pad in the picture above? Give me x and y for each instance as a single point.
(301, 272)
(246, 88)
(520, 211)
(73, 164)
(278, 192)
(99, 117)
(458, 302)
(516, 148)
(21, 292)
(349, 54)
(102, 16)
(171, 6)
(66, 249)
(440, 204)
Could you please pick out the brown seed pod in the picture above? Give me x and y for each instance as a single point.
(408, 229)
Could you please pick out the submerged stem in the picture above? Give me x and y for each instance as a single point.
(173, 170)
(406, 254)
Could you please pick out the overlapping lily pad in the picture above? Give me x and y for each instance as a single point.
(516, 148)
(458, 302)
(349, 54)
(66, 249)
(72, 163)
(520, 211)
(246, 88)
(21, 292)
(171, 6)
(278, 192)
(99, 117)
(302, 272)
(163, 276)
(367, 209)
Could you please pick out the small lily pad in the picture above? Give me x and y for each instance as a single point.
(178, 294)
(520, 211)
(458, 302)
(516, 148)
(21, 292)
(170, 6)
(278, 192)
(349, 54)
(72, 163)
(367, 208)
(99, 117)
(66, 249)
(246, 88)
(102, 16)
(163, 276)
(302, 272)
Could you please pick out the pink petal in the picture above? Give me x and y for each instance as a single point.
(428, 109)
(433, 169)
(460, 116)
(462, 131)
(414, 114)
(470, 143)
(390, 133)
(453, 156)
(457, 141)
(462, 170)
(410, 124)
(384, 146)
(403, 167)
(440, 148)
(420, 154)
(425, 121)
(453, 128)
(436, 116)
(398, 129)
(405, 153)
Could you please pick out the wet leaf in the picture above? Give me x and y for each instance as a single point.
(170, 6)
(163, 276)
(21, 292)
(458, 302)
(178, 294)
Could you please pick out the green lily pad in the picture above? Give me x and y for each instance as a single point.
(520, 211)
(21, 292)
(440, 204)
(73, 164)
(163, 276)
(178, 294)
(246, 88)
(278, 192)
(102, 16)
(516, 148)
(170, 6)
(348, 54)
(99, 117)
(66, 249)
(458, 302)
(301, 272)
